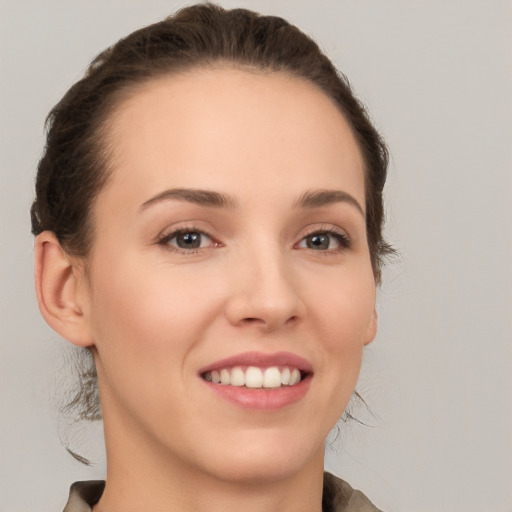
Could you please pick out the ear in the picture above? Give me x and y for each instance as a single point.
(372, 328)
(58, 282)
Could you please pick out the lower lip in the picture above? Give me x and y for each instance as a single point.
(262, 399)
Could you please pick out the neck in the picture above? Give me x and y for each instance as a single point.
(144, 477)
(186, 495)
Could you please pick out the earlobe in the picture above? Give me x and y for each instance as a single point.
(57, 283)
(372, 328)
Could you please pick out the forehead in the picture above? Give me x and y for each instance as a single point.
(214, 127)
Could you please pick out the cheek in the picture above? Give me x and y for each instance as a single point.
(345, 309)
(140, 312)
(147, 320)
(346, 317)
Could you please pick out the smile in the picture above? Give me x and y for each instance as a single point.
(259, 381)
(255, 377)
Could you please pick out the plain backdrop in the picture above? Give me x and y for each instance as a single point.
(437, 79)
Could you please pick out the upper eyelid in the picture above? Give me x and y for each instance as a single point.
(324, 228)
(180, 228)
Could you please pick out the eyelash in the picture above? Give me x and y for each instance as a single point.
(166, 238)
(341, 238)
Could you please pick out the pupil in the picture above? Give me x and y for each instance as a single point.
(190, 240)
(318, 242)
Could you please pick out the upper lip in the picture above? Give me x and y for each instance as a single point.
(261, 360)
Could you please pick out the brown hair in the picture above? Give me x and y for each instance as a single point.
(74, 166)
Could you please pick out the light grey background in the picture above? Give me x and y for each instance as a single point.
(437, 78)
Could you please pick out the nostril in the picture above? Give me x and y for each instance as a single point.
(262, 321)
(253, 320)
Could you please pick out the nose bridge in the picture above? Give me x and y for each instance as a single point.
(265, 290)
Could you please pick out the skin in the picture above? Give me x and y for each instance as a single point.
(154, 314)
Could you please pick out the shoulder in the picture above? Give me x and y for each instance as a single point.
(339, 496)
(83, 495)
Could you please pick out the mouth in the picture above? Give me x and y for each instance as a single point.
(256, 377)
(256, 380)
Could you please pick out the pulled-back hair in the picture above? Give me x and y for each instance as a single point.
(75, 163)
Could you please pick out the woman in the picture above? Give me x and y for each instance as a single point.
(208, 222)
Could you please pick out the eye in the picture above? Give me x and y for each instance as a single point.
(325, 240)
(186, 240)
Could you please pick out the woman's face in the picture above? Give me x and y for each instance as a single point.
(230, 243)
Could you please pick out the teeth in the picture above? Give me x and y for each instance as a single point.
(294, 377)
(254, 377)
(272, 378)
(237, 377)
(225, 377)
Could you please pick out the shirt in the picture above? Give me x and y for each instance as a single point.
(337, 496)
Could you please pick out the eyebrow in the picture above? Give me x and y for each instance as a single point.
(191, 195)
(310, 198)
(318, 198)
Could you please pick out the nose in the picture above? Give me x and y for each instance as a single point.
(264, 293)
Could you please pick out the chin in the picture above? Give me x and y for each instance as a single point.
(265, 460)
